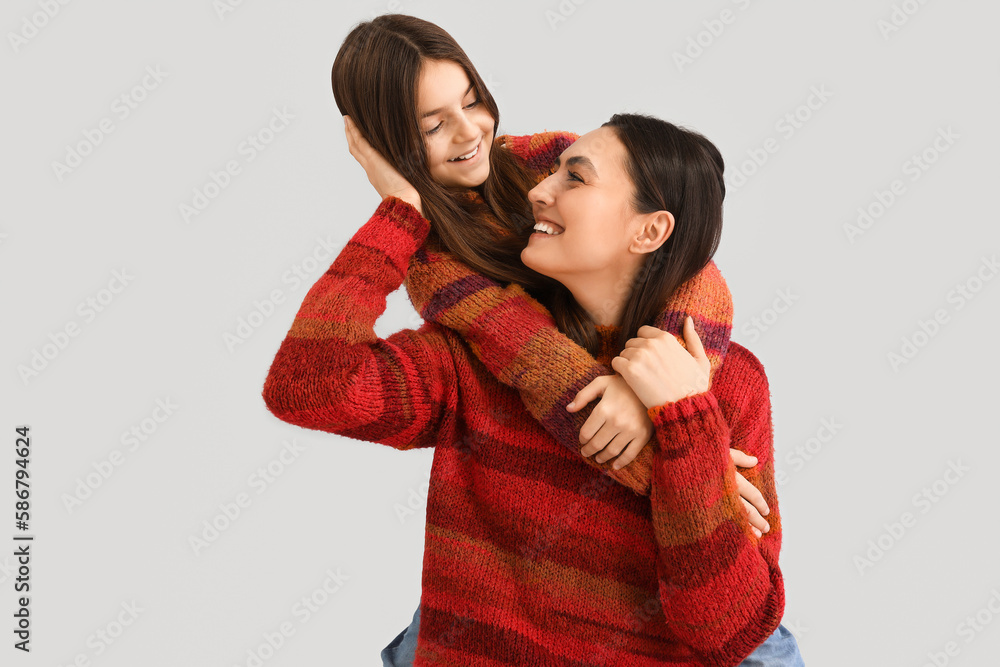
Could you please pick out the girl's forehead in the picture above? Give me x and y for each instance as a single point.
(442, 82)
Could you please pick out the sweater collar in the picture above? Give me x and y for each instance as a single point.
(608, 348)
(707, 299)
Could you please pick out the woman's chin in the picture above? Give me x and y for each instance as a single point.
(531, 261)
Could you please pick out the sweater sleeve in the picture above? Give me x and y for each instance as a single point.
(517, 340)
(720, 585)
(333, 373)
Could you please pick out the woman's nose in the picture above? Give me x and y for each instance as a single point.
(541, 193)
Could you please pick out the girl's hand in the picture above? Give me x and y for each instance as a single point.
(386, 180)
(618, 426)
(659, 370)
(752, 498)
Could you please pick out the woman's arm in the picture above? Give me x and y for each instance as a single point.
(333, 373)
(719, 583)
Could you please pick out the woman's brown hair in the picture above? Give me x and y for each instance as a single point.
(672, 169)
(375, 77)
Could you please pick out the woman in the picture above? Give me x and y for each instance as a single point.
(679, 578)
(408, 43)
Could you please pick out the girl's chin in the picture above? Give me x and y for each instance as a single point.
(466, 182)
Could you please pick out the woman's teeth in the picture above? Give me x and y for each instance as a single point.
(547, 229)
(467, 156)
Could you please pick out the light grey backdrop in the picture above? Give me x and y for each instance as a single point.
(860, 245)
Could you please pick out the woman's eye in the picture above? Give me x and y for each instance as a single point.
(436, 128)
(473, 105)
(574, 177)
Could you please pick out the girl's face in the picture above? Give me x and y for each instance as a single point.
(457, 128)
(587, 202)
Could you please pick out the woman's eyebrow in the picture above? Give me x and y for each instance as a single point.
(578, 160)
(437, 111)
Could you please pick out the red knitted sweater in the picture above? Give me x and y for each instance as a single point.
(532, 556)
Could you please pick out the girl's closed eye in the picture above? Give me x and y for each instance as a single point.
(473, 105)
(573, 176)
(435, 129)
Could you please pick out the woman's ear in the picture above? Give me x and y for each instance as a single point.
(654, 230)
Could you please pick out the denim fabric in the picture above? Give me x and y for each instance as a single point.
(403, 648)
(778, 650)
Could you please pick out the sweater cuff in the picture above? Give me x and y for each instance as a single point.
(691, 420)
(406, 217)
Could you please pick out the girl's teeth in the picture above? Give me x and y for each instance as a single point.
(467, 156)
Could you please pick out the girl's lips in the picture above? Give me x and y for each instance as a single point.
(472, 160)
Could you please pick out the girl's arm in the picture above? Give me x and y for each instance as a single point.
(333, 373)
(517, 339)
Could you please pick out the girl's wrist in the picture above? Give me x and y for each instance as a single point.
(411, 197)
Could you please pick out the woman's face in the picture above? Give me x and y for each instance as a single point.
(587, 202)
(454, 124)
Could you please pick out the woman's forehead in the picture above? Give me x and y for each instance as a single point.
(601, 148)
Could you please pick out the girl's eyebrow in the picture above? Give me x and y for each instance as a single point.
(437, 111)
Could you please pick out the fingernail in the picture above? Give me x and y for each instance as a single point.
(756, 532)
(569, 405)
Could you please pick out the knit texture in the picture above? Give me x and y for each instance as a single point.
(534, 357)
(532, 556)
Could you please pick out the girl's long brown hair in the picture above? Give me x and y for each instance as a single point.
(375, 76)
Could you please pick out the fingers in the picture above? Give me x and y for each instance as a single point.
(356, 143)
(590, 428)
(692, 340)
(757, 522)
(742, 459)
(605, 447)
(590, 392)
(627, 456)
(750, 495)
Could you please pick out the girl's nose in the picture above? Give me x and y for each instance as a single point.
(466, 130)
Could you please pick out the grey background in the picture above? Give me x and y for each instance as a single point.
(336, 506)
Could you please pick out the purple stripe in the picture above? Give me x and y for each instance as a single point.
(453, 293)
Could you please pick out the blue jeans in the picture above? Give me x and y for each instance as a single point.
(778, 650)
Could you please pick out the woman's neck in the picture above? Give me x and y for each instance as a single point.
(604, 300)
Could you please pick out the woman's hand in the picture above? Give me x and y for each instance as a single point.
(658, 368)
(751, 496)
(386, 180)
(618, 426)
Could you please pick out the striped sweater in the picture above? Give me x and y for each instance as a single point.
(532, 556)
(546, 367)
